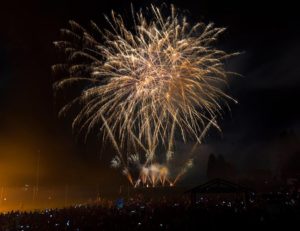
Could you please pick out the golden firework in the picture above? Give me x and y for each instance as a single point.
(143, 86)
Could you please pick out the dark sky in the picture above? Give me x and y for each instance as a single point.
(268, 93)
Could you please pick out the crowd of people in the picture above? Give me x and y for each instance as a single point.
(270, 211)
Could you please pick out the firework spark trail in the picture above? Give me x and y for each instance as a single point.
(143, 86)
(125, 170)
(189, 163)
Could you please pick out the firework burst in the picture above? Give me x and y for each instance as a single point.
(143, 86)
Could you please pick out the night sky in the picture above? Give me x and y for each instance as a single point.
(260, 132)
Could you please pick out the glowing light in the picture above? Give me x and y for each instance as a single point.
(142, 86)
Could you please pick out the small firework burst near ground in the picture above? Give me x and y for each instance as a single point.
(145, 88)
